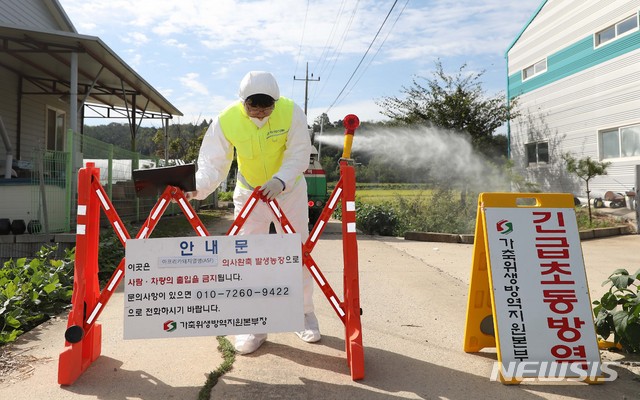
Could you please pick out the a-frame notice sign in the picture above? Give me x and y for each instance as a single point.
(528, 294)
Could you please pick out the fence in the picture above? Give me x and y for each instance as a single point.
(53, 199)
(116, 165)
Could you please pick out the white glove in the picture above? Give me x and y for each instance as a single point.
(272, 188)
(190, 195)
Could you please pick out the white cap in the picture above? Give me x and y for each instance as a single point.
(259, 82)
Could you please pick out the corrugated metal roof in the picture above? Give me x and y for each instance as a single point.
(43, 58)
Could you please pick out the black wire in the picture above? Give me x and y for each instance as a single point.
(379, 48)
(363, 57)
(304, 28)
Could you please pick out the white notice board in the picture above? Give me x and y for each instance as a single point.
(216, 285)
(539, 286)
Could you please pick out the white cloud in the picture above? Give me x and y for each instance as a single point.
(175, 43)
(135, 38)
(197, 108)
(196, 50)
(425, 28)
(193, 83)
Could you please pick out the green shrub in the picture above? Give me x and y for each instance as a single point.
(32, 292)
(439, 210)
(443, 212)
(337, 212)
(378, 219)
(110, 253)
(225, 196)
(618, 310)
(597, 220)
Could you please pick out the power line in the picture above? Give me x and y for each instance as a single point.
(304, 28)
(338, 48)
(325, 50)
(379, 48)
(363, 57)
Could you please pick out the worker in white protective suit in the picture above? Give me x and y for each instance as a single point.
(273, 147)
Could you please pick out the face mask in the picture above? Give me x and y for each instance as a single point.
(259, 122)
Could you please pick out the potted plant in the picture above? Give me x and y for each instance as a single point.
(618, 311)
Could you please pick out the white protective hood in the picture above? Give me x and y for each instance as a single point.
(259, 82)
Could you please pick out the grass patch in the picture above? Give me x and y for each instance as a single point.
(228, 358)
(378, 196)
(599, 220)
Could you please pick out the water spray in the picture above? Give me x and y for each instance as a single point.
(443, 155)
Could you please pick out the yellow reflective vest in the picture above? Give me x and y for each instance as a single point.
(259, 150)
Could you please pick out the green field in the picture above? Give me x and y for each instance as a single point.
(376, 193)
(377, 196)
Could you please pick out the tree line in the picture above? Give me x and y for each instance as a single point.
(183, 139)
(456, 103)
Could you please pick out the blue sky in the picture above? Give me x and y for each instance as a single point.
(195, 52)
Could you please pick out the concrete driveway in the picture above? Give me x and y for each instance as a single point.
(413, 296)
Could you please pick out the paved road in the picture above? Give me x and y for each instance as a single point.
(413, 295)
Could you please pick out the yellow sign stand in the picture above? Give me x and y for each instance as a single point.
(478, 331)
(528, 295)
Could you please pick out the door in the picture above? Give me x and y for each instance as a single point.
(55, 129)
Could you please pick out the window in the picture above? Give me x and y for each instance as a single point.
(627, 25)
(535, 69)
(537, 153)
(620, 142)
(630, 138)
(55, 129)
(609, 144)
(612, 32)
(605, 35)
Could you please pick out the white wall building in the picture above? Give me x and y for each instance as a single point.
(575, 69)
(51, 77)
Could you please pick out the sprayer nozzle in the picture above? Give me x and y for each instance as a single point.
(350, 122)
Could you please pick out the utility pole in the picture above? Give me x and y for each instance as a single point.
(306, 86)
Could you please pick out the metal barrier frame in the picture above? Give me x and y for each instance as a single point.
(84, 335)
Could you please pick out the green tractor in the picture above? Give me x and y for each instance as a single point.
(316, 187)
